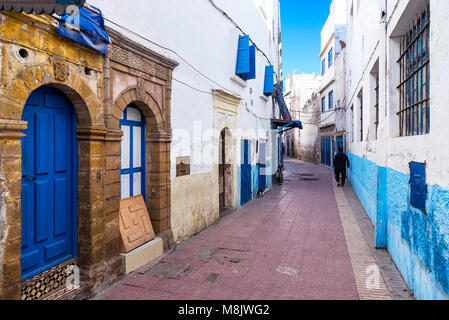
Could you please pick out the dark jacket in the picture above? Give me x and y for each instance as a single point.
(341, 160)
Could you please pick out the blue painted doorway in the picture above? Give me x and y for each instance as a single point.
(132, 154)
(262, 166)
(326, 151)
(246, 181)
(340, 143)
(49, 167)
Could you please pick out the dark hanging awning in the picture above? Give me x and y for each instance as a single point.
(281, 103)
(39, 6)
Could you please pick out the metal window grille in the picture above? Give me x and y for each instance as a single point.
(376, 106)
(414, 113)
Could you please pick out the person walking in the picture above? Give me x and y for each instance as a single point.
(341, 161)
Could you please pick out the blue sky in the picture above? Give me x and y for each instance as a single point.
(302, 21)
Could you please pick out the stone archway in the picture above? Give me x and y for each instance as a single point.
(90, 205)
(225, 120)
(157, 139)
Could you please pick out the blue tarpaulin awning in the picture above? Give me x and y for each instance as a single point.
(87, 28)
(290, 126)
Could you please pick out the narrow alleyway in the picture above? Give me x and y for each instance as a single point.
(288, 245)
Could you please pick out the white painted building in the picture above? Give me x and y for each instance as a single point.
(208, 98)
(397, 132)
(333, 38)
(299, 89)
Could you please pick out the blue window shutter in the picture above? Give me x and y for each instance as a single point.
(252, 64)
(269, 81)
(243, 56)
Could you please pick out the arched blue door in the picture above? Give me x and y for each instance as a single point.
(132, 154)
(49, 166)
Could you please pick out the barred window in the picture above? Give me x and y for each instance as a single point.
(414, 113)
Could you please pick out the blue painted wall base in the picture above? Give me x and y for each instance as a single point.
(417, 242)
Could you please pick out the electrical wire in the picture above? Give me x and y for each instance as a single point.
(192, 87)
(168, 49)
(188, 63)
(321, 121)
(363, 74)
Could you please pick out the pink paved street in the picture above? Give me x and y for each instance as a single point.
(288, 245)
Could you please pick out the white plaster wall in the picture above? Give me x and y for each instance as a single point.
(337, 18)
(380, 42)
(301, 88)
(198, 36)
(204, 38)
(310, 117)
(340, 92)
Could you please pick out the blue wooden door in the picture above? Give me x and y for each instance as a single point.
(246, 192)
(328, 151)
(132, 173)
(49, 166)
(340, 143)
(323, 150)
(262, 167)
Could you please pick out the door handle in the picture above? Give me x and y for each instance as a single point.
(30, 179)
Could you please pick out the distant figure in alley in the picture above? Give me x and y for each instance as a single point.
(341, 161)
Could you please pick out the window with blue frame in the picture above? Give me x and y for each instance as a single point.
(331, 100)
(330, 57)
(323, 67)
(132, 153)
(323, 104)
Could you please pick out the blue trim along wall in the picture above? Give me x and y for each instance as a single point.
(417, 242)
